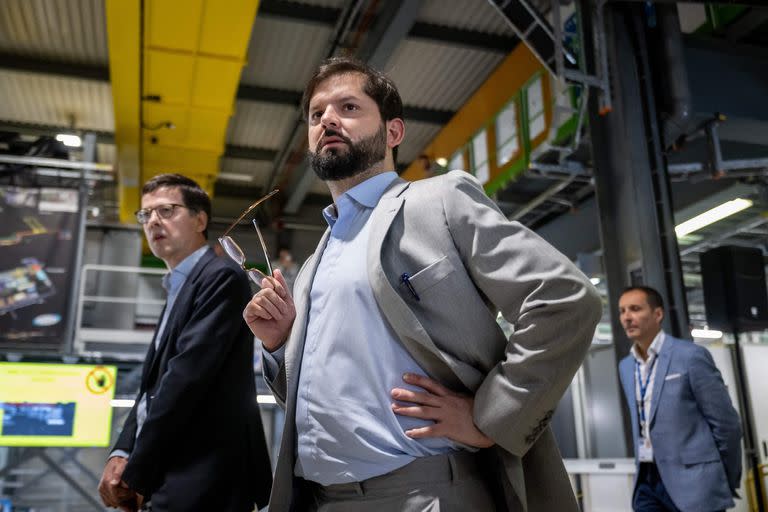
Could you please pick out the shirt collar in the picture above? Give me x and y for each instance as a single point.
(653, 349)
(176, 277)
(366, 194)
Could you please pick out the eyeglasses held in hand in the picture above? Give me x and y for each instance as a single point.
(164, 211)
(234, 251)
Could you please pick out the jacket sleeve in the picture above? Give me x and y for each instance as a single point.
(715, 405)
(553, 307)
(273, 366)
(203, 344)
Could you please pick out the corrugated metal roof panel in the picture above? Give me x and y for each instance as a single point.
(264, 125)
(72, 31)
(284, 53)
(467, 14)
(431, 75)
(52, 100)
(259, 169)
(417, 137)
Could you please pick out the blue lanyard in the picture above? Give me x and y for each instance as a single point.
(644, 387)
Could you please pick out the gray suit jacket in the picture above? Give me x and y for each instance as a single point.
(695, 431)
(467, 263)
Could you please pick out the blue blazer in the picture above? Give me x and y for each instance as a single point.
(695, 431)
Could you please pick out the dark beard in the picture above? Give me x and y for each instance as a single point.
(360, 156)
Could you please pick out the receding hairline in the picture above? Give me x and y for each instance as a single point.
(645, 293)
(363, 80)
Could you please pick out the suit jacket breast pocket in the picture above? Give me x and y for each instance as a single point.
(676, 384)
(432, 274)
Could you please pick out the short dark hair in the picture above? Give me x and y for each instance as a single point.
(193, 196)
(377, 85)
(651, 294)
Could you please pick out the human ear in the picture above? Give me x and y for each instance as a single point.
(395, 132)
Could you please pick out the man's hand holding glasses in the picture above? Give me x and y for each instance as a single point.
(271, 311)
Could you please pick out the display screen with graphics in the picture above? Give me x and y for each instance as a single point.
(56, 404)
(38, 244)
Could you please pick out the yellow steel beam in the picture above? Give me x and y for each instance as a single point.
(480, 110)
(174, 118)
(194, 51)
(124, 32)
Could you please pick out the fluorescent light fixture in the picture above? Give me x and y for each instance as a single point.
(442, 162)
(706, 334)
(711, 216)
(595, 280)
(231, 176)
(122, 402)
(266, 399)
(70, 140)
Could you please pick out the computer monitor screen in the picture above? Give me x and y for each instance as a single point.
(56, 404)
(38, 251)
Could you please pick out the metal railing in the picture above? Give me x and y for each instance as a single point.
(117, 341)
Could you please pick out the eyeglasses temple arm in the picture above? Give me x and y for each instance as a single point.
(263, 246)
(249, 210)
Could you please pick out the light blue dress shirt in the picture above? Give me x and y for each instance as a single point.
(172, 283)
(352, 359)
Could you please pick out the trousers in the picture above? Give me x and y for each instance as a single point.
(444, 483)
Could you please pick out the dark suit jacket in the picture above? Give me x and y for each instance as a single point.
(202, 445)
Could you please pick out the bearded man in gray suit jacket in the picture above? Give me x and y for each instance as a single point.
(401, 391)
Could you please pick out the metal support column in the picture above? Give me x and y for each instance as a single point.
(89, 157)
(631, 181)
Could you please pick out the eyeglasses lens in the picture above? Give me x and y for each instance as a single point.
(232, 249)
(165, 212)
(255, 276)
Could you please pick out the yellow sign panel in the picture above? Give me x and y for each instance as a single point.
(56, 404)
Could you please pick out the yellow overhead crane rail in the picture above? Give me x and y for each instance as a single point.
(503, 125)
(175, 67)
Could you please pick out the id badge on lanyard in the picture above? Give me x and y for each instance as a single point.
(644, 448)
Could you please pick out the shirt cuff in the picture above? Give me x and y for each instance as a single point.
(119, 453)
(271, 362)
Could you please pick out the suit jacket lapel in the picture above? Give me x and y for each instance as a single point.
(627, 375)
(180, 298)
(295, 346)
(149, 359)
(282, 489)
(662, 365)
(405, 323)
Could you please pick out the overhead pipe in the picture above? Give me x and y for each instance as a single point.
(676, 112)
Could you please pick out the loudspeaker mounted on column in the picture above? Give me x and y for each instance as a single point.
(735, 294)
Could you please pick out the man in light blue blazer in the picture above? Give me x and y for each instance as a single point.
(687, 435)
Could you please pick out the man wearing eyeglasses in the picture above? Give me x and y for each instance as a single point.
(401, 390)
(194, 439)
